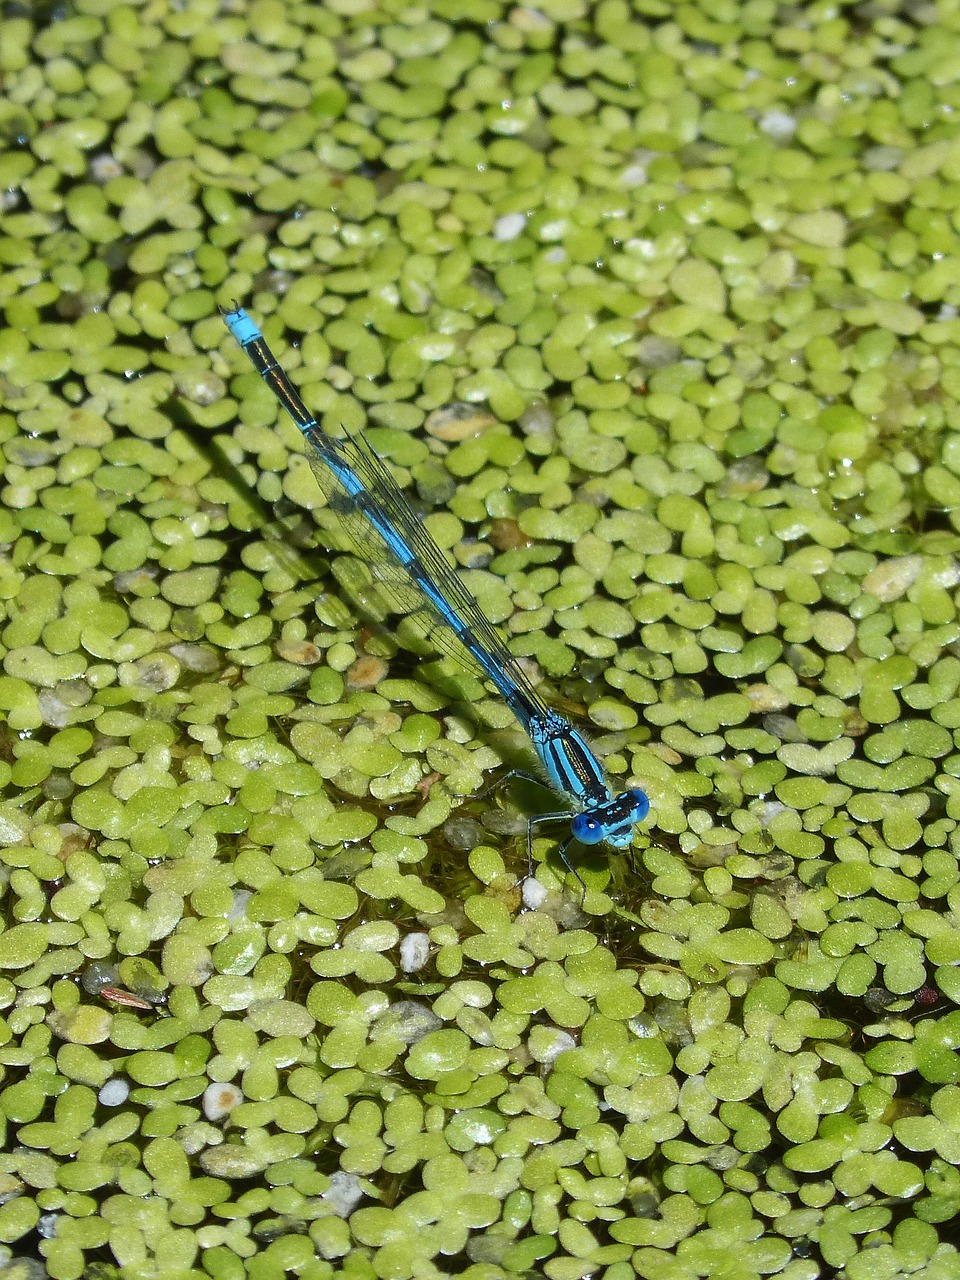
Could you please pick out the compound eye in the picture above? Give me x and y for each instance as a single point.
(587, 829)
(641, 805)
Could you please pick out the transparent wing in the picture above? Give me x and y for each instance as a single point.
(487, 652)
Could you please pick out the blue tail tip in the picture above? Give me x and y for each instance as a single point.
(241, 326)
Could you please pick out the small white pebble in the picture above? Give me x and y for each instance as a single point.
(115, 1092)
(343, 1194)
(534, 893)
(778, 124)
(509, 226)
(220, 1099)
(414, 951)
(105, 166)
(634, 175)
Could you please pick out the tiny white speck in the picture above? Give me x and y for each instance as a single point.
(343, 1194)
(509, 226)
(635, 175)
(414, 951)
(778, 124)
(219, 1100)
(114, 1093)
(555, 230)
(534, 893)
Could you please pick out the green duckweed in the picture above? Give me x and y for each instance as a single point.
(652, 314)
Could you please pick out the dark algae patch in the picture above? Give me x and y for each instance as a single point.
(652, 310)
